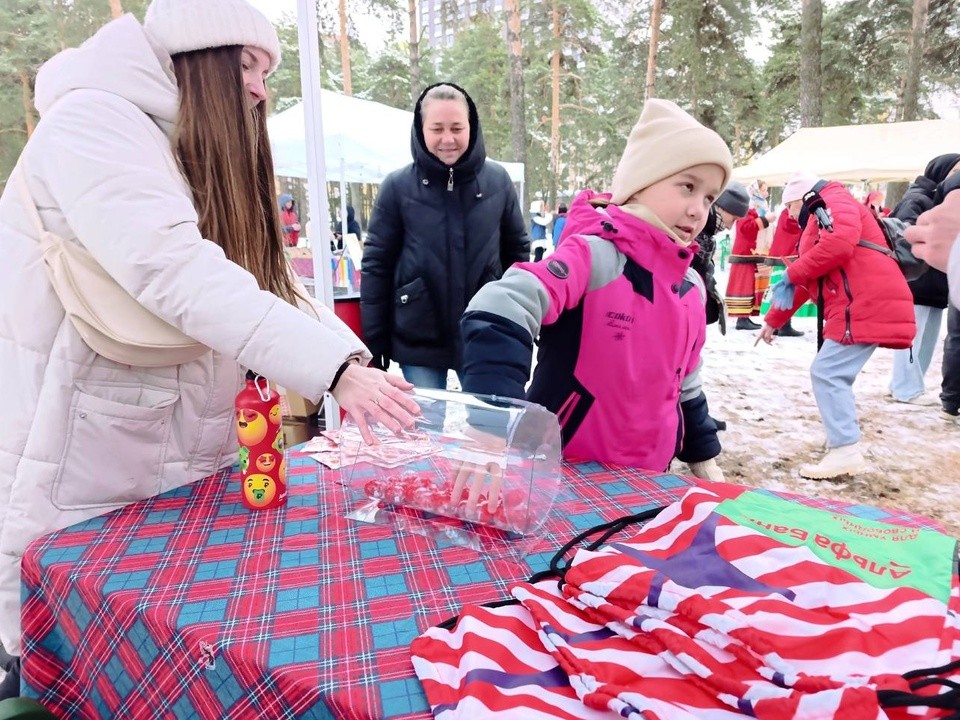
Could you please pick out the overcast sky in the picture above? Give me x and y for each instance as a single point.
(374, 34)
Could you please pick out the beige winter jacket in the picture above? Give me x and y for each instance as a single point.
(79, 434)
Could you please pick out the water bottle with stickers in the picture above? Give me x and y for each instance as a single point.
(263, 465)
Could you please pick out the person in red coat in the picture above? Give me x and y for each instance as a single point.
(289, 220)
(786, 237)
(874, 201)
(865, 304)
(784, 249)
(741, 297)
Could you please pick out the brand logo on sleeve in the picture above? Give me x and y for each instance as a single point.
(558, 268)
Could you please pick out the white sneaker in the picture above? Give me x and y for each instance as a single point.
(839, 461)
(923, 400)
(949, 416)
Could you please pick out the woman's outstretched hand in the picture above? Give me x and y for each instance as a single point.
(364, 391)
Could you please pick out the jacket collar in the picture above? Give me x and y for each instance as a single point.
(646, 245)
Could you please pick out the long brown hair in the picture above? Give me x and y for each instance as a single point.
(224, 153)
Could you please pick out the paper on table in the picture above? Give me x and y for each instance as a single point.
(335, 450)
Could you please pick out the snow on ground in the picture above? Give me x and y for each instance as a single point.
(773, 426)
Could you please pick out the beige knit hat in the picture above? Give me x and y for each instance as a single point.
(185, 25)
(665, 141)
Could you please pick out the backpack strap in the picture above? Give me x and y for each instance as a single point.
(879, 248)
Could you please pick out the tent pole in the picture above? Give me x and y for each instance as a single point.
(343, 198)
(308, 40)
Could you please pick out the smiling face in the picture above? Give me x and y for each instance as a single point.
(682, 201)
(255, 66)
(251, 427)
(266, 462)
(446, 129)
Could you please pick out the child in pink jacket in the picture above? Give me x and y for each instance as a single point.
(618, 312)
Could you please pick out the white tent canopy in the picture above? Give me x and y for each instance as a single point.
(851, 153)
(363, 140)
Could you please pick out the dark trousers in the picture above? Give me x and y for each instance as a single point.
(10, 685)
(950, 389)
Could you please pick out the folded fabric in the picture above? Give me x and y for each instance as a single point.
(494, 665)
(731, 603)
(780, 610)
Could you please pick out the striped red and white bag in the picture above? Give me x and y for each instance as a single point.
(731, 603)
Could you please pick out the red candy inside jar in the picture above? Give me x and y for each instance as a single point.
(511, 511)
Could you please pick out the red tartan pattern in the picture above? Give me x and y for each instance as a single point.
(188, 606)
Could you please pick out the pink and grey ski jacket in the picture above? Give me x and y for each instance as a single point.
(620, 323)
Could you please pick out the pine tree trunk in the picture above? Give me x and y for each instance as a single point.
(649, 89)
(911, 85)
(345, 50)
(555, 106)
(414, 50)
(910, 89)
(811, 31)
(116, 9)
(26, 94)
(518, 124)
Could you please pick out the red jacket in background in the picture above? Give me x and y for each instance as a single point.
(287, 218)
(866, 299)
(786, 238)
(745, 238)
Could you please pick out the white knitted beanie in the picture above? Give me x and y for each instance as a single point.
(185, 25)
(666, 141)
(798, 185)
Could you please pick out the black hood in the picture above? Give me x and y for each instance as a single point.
(938, 168)
(428, 163)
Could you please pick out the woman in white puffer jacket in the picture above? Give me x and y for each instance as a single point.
(152, 154)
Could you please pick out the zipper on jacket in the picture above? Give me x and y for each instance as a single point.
(450, 181)
(681, 430)
(848, 333)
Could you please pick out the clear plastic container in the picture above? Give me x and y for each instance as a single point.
(487, 461)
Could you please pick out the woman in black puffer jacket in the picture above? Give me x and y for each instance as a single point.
(929, 290)
(442, 227)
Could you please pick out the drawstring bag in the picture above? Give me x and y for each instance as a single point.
(490, 660)
(736, 603)
(110, 321)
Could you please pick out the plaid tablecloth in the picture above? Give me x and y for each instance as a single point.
(189, 606)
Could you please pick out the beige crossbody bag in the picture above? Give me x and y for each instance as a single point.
(107, 317)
